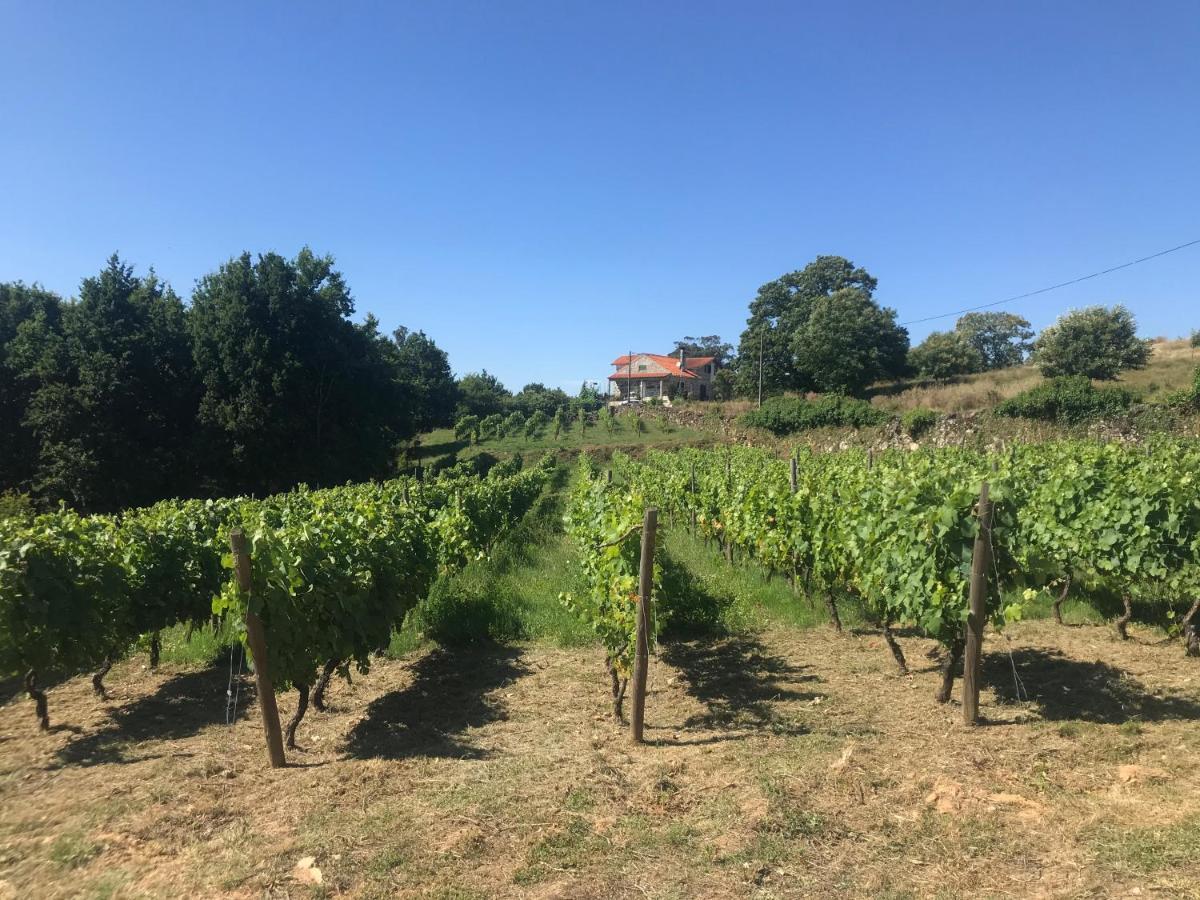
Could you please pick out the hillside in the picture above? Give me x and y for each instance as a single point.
(1170, 369)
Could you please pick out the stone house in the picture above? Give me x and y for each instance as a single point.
(643, 376)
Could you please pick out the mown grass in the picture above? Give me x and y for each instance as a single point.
(511, 595)
(749, 597)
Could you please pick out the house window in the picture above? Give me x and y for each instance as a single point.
(641, 368)
(708, 369)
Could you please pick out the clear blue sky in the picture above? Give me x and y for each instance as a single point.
(543, 186)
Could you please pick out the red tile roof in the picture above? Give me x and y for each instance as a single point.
(670, 363)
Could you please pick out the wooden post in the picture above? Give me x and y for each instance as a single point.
(981, 562)
(795, 474)
(256, 637)
(870, 458)
(608, 476)
(641, 658)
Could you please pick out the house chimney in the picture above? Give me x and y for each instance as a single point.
(682, 356)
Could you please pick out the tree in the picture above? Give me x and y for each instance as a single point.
(114, 406)
(293, 390)
(1002, 339)
(848, 341)
(590, 397)
(1095, 341)
(425, 377)
(708, 345)
(1195, 341)
(945, 354)
(29, 317)
(779, 312)
(481, 394)
(537, 397)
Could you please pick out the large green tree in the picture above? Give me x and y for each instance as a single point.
(1002, 339)
(945, 354)
(293, 390)
(705, 345)
(537, 397)
(426, 379)
(481, 394)
(1095, 341)
(114, 407)
(848, 341)
(779, 312)
(29, 318)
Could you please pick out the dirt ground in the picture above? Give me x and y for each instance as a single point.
(787, 764)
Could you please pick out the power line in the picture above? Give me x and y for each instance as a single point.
(1053, 287)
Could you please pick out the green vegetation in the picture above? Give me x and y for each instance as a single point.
(332, 571)
(1095, 342)
(787, 415)
(1068, 400)
(917, 422)
(945, 354)
(819, 329)
(126, 395)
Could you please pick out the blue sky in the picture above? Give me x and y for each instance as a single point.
(543, 186)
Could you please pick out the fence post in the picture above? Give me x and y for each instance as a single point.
(641, 658)
(257, 639)
(795, 474)
(977, 617)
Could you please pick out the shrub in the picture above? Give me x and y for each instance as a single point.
(1195, 342)
(785, 415)
(917, 421)
(1096, 342)
(513, 424)
(1188, 398)
(945, 354)
(1067, 400)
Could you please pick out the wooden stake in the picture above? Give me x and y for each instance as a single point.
(795, 474)
(981, 562)
(641, 658)
(256, 637)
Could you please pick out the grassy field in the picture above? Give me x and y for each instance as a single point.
(480, 759)
(1171, 367)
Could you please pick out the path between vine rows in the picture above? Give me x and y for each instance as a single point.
(791, 763)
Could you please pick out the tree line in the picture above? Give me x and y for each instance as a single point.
(125, 394)
(821, 329)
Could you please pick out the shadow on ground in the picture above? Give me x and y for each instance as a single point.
(1070, 689)
(741, 684)
(181, 706)
(449, 694)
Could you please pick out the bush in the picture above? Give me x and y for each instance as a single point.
(785, 415)
(945, 354)
(1095, 342)
(1195, 342)
(917, 421)
(1188, 398)
(1067, 400)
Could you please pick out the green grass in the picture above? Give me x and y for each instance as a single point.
(750, 598)
(511, 595)
(1147, 850)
